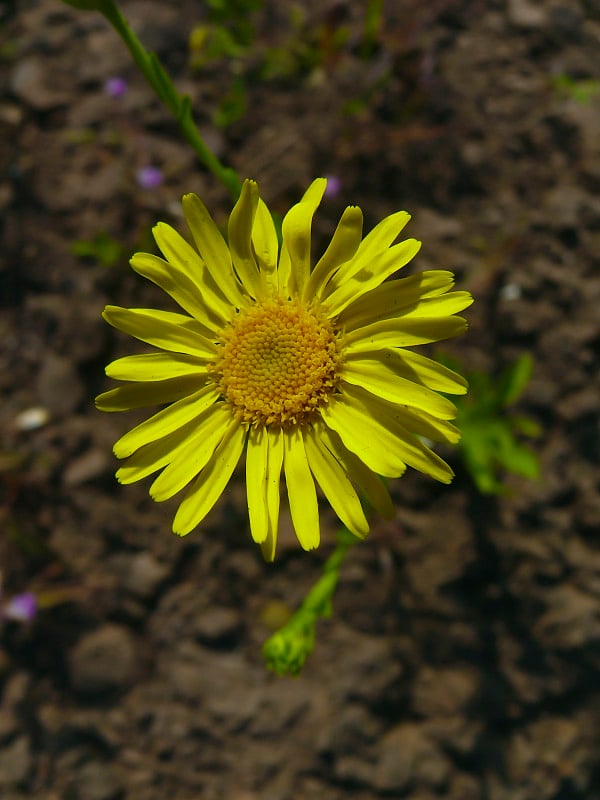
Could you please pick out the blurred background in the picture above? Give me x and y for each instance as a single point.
(462, 658)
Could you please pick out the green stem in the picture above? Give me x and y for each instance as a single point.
(289, 647)
(178, 105)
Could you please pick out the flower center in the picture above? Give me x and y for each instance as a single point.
(278, 362)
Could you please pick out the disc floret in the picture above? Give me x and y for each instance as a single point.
(278, 362)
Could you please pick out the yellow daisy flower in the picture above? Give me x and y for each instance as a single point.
(305, 369)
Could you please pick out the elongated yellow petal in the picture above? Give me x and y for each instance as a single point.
(148, 393)
(264, 239)
(194, 294)
(155, 367)
(335, 485)
(257, 460)
(375, 243)
(419, 419)
(296, 230)
(181, 254)
(211, 427)
(241, 222)
(401, 332)
(367, 481)
(173, 332)
(415, 367)
(212, 247)
(210, 483)
(368, 440)
(386, 419)
(274, 466)
(376, 378)
(166, 421)
(302, 494)
(154, 456)
(447, 304)
(371, 275)
(344, 244)
(427, 425)
(394, 298)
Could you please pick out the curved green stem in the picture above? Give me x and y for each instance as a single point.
(178, 105)
(289, 647)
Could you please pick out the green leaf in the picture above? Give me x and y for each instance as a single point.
(514, 380)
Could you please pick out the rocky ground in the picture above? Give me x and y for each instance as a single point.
(462, 658)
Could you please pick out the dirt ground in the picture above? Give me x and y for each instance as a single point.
(462, 659)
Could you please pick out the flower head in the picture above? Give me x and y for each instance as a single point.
(306, 368)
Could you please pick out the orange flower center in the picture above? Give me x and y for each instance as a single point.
(278, 362)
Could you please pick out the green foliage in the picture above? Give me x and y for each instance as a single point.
(232, 105)
(580, 91)
(489, 443)
(372, 27)
(102, 248)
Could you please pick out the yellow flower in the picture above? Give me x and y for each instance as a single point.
(307, 369)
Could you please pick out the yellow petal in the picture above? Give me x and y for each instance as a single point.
(211, 482)
(386, 419)
(195, 293)
(264, 239)
(155, 367)
(154, 456)
(274, 465)
(241, 222)
(166, 421)
(423, 424)
(375, 243)
(302, 494)
(173, 332)
(370, 441)
(384, 383)
(212, 247)
(401, 332)
(344, 244)
(367, 481)
(335, 485)
(181, 254)
(447, 304)
(394, 298)
(296, 230)
(371, 275)
(257, 456)
(140, 395)
(415, 367)
(195, 455)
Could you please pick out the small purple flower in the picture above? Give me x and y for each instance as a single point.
(115, 87)
(21, 607)
(334, 186)
(150, 177)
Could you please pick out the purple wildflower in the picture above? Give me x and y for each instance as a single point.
(115, 87)
(150, 177)
(334, 186)
(21, 607)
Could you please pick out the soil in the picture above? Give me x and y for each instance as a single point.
(462, 658)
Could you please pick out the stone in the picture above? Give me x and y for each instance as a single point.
(15, 763)
(98, 781)
(443, 692)
(59, 388)
(144, 574)
(103, 660)
(408, 757)
(218, 624)
(86, 467)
